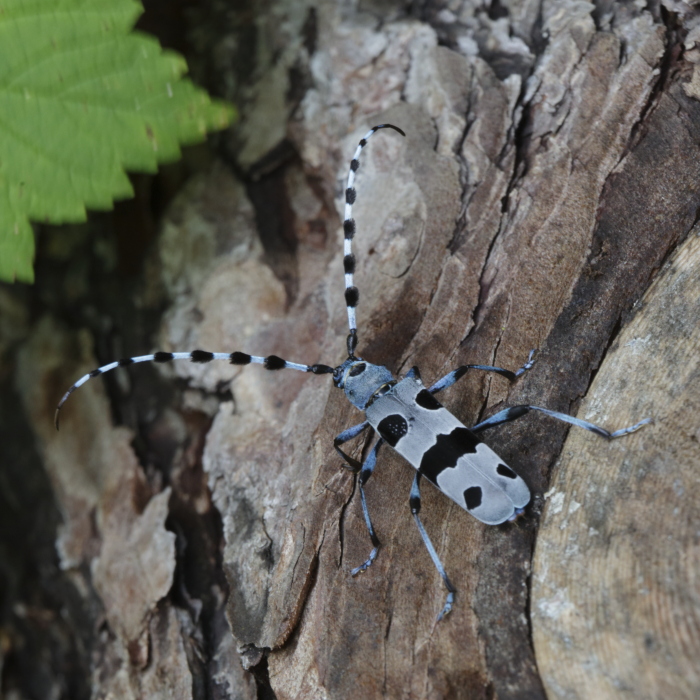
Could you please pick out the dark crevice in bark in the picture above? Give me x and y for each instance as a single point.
(310, 31)
(521, 142)
(342, 521)
(496, 11)
(199, 585)
(669, 65)
(538, 39)
(460, 230)
(46, 627)
(261, 674)
(274, 216)
(293, 632)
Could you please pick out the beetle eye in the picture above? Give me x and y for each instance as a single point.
(357, 369)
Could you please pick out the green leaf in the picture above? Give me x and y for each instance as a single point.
(82, 98)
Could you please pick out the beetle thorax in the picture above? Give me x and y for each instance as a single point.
(361, 380)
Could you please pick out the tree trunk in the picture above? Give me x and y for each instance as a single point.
(545, 197)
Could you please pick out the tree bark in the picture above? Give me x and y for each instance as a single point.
(545, 197)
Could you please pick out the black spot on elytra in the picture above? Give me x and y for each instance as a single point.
(163, 357)
(472, 497)
(239, 358)
(393, 428)
(426, 400)
(446, 452)
(503, 470)
(357, 369)
(274, 362)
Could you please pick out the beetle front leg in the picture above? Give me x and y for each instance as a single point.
(365, 473)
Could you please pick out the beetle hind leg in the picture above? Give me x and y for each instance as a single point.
(415, 504)
(515, 412)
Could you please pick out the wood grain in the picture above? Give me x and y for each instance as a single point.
(615, 595)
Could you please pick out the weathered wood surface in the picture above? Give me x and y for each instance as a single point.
(545, 197)
(614, 594)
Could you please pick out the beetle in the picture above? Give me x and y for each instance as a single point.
(406, 416)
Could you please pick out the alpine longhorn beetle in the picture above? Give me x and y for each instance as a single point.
(407, 417)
